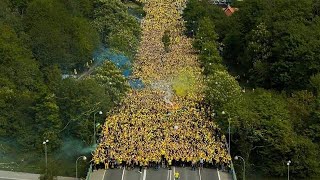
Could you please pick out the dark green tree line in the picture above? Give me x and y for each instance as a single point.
(40, 41)
(266, 44)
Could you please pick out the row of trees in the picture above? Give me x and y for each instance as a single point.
(271, 49)
(40, 39)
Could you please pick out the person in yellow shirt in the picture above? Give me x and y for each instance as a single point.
(176, 175)
(169, 163)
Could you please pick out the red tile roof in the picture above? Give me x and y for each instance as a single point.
(229, 10)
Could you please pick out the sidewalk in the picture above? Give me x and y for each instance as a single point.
(97, 175)
(25, 176)
(225, 175)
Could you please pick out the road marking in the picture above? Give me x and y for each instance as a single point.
(123, 173)
(13, 178)
(174, 172)
(168, 175)
(140, 178)
(104, 174)
(144, 174)
(199, 174)
(218, 174)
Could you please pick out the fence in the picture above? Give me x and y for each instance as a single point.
(89, 172)
(233, 172)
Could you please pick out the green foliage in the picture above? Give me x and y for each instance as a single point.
(47, 121)
(205, 33)
(8, 15)
(82, 8)
(117, 28)
(58, 37)
(274, 43)
(52, 77)
(259, 50)
(110, 78)
(166, 41)
(271, 44)
(20, 5)
(135, 8)
(78, 100)
(20, 82)
(206, 43)
(197, 10)
(315, 83)
(301, 104)
(221, 89)
(123, 40)
(38, 40)
(305, 156)
(263, 132)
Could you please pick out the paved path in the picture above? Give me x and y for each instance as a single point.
(10, 175)
(162, 174)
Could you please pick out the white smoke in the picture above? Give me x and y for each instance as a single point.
(166, 88)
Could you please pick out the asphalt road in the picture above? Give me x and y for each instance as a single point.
(2, 178)
(162, 174)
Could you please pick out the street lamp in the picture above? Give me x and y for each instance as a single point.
(46, 154)
(244, 166)
(84, 158)
(229, 145)
(288, 164)
(94, 126)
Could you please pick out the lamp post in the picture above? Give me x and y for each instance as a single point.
(84, 158)
(244, 166)
(46, 154)
(229, 138)
(94, 126)
(288, 164)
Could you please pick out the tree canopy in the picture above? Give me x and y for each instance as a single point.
(266, 82)
(58, 37)
(41, 43)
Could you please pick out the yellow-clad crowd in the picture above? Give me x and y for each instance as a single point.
(156, 122)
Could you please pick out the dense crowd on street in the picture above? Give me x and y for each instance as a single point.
(146, 129)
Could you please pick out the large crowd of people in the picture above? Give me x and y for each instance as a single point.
(148, 127)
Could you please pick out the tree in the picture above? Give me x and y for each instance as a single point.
(263, 134)
(21, 83)
(206, 43)
(273, 43)
(79, 8)
(123, 40)
(259, 52)
(9, 16)
(20, 5)
(305, 157)
(58, 37)
(166, 41)
(301, 104)
(221, 88)
(52, 77)
(110, 78)
(78, 100)
(197, 10)
(47, 121)
(117, 28)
